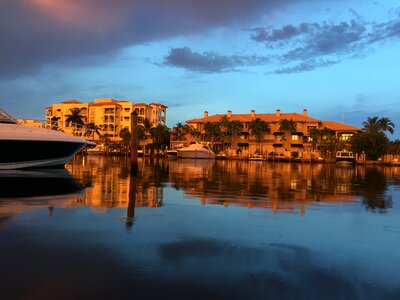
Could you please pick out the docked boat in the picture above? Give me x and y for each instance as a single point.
(33, 147)
(196, 150)
(345, 158)
(97, 150)
(256, 157)
(173, 152)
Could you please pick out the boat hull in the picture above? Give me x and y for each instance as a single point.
(20, 154)
(196, 154)
(345, 162)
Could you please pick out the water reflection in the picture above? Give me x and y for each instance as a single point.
(181, 242)
(280, 186)
(22, 190)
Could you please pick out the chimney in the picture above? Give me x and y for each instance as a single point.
(229, 113)
(205, 114)
(304, 112)
(253, 113)
(278, 112)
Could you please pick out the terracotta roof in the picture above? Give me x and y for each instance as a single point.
(271, 118)
(141, 104)
(339, 126)
(160, 104)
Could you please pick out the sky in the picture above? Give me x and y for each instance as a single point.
(339, 59)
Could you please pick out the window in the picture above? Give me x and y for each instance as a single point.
(345, 136)
(141, 111)
(310, 128)
(295, 137)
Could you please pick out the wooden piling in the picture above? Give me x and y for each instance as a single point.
(134, 143)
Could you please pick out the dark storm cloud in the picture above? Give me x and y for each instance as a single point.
(38, 32)
(209, 62)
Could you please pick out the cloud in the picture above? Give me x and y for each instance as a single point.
(311, 40)
(209, 62)
(305, 66)
(39, 32)
(299, 48)
(314, 45)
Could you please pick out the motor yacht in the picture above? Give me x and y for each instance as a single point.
(345, 158)
(23, 146)
(196, 150)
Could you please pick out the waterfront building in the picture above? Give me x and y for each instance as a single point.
(108, 115)
(297, 140)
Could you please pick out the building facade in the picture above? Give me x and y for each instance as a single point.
(277, 141)
(108, 115)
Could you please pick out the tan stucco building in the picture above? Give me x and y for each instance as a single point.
(276, 141)
(110, 115)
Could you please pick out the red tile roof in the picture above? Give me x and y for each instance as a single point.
(338, 126)
(271, 118)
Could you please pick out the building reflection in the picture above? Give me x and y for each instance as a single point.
(107, 182)
(281, 187)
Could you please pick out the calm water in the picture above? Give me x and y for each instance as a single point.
(185, 229)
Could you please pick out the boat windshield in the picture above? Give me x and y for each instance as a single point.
(6, 117)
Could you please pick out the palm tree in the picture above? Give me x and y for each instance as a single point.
(287, 125)
(211, 132)
(224, 124)
(126, 138)
(194, 132)
(180, 131)
(147, 126)
(234, 129)
(160, 136)
(258, 128)
(372, 125)
(91, 129)
(386, 124)
(314, 134)
(75, 117)
(373, 140)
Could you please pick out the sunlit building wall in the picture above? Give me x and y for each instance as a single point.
(108, 115)
(279, 141)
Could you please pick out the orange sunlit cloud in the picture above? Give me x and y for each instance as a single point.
(78, 13)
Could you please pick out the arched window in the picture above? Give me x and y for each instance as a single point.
(141, 111)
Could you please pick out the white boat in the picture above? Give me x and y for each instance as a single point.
(24, 146)
(196, 150)
(173, 152)
(345, 158)
(97, 150)
(256, 157)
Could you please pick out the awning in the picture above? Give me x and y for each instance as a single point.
(278, 133)
(297, 133)
(277, 145)
(296, 145)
